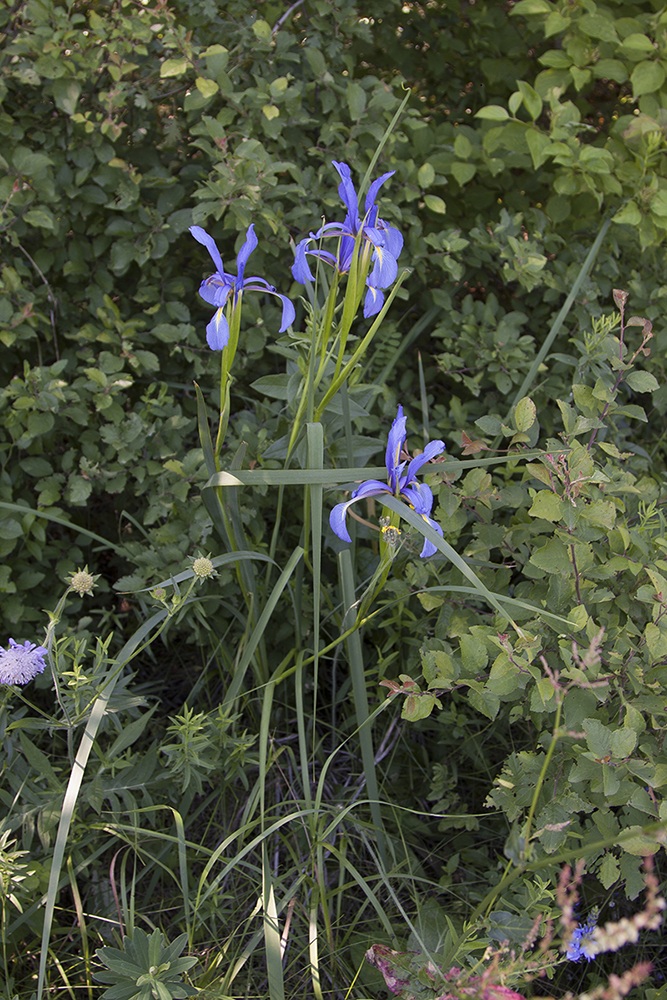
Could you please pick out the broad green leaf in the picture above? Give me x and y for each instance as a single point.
(547, 505)
(463, 172)
(262, 30)
(493, 113)
(647, 78)
(425, 175)
(528, 7)
(435, 204)
(525, 414)
(174, 67)
(356, 100)
(66, 94)
(207, 88)
(598, 26)
(532, 101)
(642, 381)
(473, 654)
(609, 870)
(629, 215)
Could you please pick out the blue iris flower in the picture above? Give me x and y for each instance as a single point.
(383, 242)
(402, 482)
(582, 943)
(217, 288)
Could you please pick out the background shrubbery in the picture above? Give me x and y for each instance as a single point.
(532, 129)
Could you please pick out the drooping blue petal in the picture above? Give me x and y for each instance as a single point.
(429, 548)
(419, 496)
(395, 445)
(300, 270)
(217, 331)
(373, 302)
(348, 194)
(202, 237)
(385, 269)
(251, 242)
(393, 240)
(337, 518)
(289, 312)
(337, 521)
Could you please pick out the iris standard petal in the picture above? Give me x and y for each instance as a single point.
(217, 331)
(348, 194)
(432, 449)
(251, 242)
(395, 444)
(202, 237)
(372, 194)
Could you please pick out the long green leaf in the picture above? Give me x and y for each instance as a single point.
(561, 317)
(259, 629)
(337, 477)
(97, 714)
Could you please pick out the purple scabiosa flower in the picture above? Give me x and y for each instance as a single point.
(218, 287)
(381, 241)
(402, 482)
(20, 664)
(582, 944)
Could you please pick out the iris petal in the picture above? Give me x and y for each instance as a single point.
(373, 302)
(372, 193)
(395, 444)
(202, 237)
(337, 521)
(393, 240)
(251, 242)
(338, 515)
(429, 548)
(289, 312)
(385, 269)
(217, 331)
(348, 194)
(215, 289)
(432, 449)
(300, 270)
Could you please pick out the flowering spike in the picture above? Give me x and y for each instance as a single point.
(386, 242)
(218, 287)
(401, 483)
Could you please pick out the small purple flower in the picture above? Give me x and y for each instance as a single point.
(582, 944)
(402, 482)
(217, 288)
(383, 242)
(20, 664)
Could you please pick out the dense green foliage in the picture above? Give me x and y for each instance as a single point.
(229, 785)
